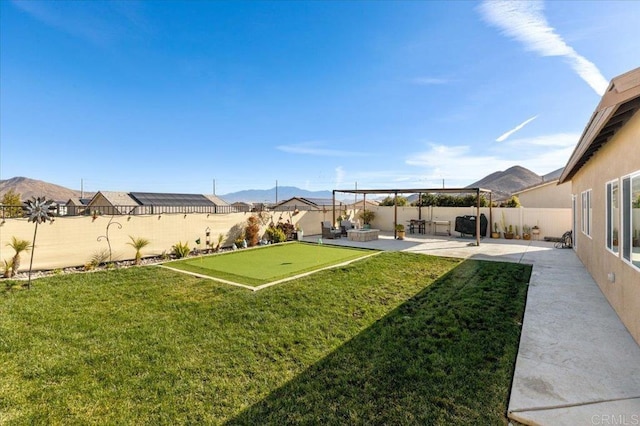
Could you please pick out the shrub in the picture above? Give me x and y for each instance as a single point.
(390, 201)
(97, 259)
(138, 244)
(180, 250)
(221, 238)
(275, 235)
(287, 229)
(252, 231)
(8, 266)
(513, 202)
(18, 246)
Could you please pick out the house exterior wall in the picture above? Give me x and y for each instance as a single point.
(550, 195)
(617, 158)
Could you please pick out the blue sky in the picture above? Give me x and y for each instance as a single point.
(168, 96)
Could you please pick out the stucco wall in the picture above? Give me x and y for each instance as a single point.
(617, 158)
(552, 222)
(71, 241)
(550, 195)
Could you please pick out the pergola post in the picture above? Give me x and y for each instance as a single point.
(478, 217)
(395, 214)
(333, 223)
(490, 211)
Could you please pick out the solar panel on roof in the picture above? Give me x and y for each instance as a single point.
(163, 199)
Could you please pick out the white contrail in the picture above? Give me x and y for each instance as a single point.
(515, 129)
(525, 22)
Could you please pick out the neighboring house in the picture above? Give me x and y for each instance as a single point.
(304, 203)
(111, 202)
(76, 206)
(548, 194)
(241, 206)
(360, 204)
(158, 202)
(217, 200)
(604, 173)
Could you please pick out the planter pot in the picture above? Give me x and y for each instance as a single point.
(535, 231)
(508, 235)
(400, 234)
(517, 237)
(526, 236)
(495, 235)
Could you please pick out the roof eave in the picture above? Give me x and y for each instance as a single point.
(622, 90)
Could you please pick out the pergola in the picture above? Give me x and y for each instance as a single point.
(419, 191)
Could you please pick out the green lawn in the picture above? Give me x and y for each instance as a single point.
(397, 338)
(261, 265)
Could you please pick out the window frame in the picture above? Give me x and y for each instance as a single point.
(609, 228)
(586, 216)
(626, 219)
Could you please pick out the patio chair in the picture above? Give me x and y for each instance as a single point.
(345, 225)
(329, 231)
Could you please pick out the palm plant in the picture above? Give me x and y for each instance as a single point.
(18, 246)
(39, 210)
(138, 244)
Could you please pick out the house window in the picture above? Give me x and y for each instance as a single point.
(586, 212)
(631, 219)
(613, 216)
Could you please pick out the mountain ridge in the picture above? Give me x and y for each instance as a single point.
(502, 183)
(269, 195)
(29, 188)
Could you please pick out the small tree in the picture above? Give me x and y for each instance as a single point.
(12, 204)
(138, 244)
(18, 246)
(367, 216)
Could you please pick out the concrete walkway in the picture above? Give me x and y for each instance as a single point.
(577, 364)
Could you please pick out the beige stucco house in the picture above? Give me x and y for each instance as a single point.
(604, 173)
(548, 194)
(112, 202)
(305, 203)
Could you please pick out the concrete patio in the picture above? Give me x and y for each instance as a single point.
(577, 364)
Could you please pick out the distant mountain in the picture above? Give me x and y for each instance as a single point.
(269, 195)
(553, 175)
(28, 188)
(505, 183)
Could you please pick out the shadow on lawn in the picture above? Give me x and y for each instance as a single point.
(445, 356)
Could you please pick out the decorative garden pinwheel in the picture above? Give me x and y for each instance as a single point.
(39, 210)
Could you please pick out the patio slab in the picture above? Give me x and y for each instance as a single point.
(577, 363)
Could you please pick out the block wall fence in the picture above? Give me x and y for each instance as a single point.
(71, 241)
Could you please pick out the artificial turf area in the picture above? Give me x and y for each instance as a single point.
(265, 264)
(396, 338)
